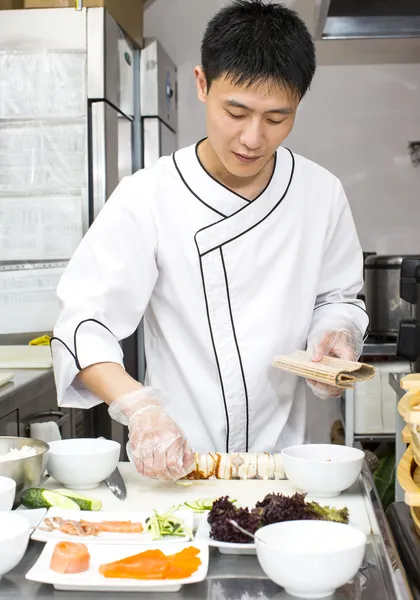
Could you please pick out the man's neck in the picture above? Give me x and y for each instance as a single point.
(248, 187)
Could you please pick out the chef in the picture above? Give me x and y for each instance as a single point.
(233, 250)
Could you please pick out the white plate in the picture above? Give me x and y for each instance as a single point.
(203, 535)
(93, 581)
(110, 538)
(357, 518)
(34, 515)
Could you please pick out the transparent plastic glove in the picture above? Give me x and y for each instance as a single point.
(158, 446)
(337, 337)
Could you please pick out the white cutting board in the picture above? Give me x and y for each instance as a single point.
(25, 357)
(145, 494)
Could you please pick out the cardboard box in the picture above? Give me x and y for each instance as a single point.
(11, 4)
(127, 13)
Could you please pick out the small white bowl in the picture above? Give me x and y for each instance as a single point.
(7, 493)
(82, 463)
(310, 559)
(322, 470)
(14, 538)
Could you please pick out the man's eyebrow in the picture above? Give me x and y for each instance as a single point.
(284, 110)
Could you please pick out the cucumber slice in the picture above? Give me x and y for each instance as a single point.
(41, 498)
(194, 506)
(206, 503)
(201, 505)
(84, 502)
(163, 525)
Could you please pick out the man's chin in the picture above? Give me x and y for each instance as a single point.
(243, 170)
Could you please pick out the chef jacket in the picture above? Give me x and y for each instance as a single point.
(224, 285)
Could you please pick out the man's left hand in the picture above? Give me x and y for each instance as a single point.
(343, 341)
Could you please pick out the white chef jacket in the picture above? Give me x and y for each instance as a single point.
(224, 285)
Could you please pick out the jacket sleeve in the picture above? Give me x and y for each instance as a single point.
(105, 289)
(341, 275)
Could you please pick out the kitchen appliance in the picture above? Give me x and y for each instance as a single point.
(66, 140)
(385, 306)
(350, 19)
(362, 293)
(158, 102)
(66, 122)
(408, 345)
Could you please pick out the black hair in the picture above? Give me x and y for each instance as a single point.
(251, 42)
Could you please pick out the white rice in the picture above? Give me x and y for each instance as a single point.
(15, 453)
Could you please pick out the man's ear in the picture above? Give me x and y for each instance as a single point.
(201, 82)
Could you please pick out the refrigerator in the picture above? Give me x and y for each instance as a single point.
(67, 117)
(66, 140)
(79, 108)
(158, 102)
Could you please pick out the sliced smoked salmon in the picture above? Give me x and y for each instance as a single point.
(114, 526)
(154, 564)
(183, 564)
(69, 557)
(86, 528)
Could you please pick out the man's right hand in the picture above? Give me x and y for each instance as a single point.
(159, 448)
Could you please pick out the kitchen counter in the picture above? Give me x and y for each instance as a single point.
(229, 578)
(408, 542)
(235, 577)
(26, 384)
(31, 397)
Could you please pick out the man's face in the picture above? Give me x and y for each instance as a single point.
(245, 125)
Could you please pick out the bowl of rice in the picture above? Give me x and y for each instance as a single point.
(23, 460)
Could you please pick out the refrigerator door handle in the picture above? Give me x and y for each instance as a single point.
(97, 159)
(103, 155)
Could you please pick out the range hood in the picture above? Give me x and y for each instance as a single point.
(366, 19)
(362, 31)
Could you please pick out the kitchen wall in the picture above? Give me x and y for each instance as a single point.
(356, 121)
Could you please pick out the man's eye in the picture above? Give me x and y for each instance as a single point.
(235, 116)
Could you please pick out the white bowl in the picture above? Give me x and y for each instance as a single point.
(14, 538)
(7, 493)
(310, 559)
(322, 470)
(82, 463)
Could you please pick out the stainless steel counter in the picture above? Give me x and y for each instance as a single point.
(236, 577)
(30, 397)
(21, 389)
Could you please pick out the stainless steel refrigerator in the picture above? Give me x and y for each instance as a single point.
(66, 140)
(158, 102)
(67, 117)
(71, 93)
